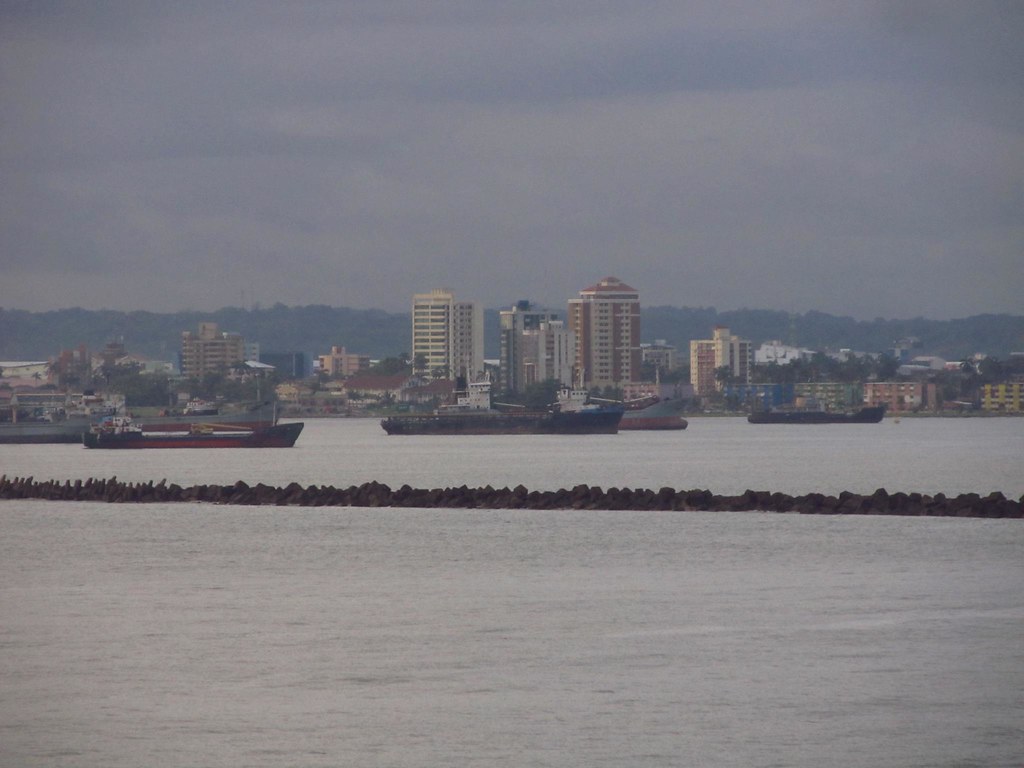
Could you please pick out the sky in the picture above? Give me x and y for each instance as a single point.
(858, 158)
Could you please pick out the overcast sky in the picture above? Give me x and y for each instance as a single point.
(857, 158)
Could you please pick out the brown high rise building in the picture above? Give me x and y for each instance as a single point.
(606, 322)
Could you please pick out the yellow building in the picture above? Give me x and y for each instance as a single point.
(210, 351)
(1002, 397)
(340, 364)
(723, 350)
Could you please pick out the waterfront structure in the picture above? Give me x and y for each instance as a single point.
(520, 345)
(339, 363)
(606, 322)
(901, 396)
(723, 350)
(449, 334)
(210, 351)
(1003, 398)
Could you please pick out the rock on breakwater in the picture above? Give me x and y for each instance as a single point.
(373, 494)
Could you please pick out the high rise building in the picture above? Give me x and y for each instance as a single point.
(606, 322)
(549, 353)
(210, 351)
(449, 334)
(723, 350)
(522, 319)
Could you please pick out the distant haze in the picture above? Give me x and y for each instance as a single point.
(857, 158)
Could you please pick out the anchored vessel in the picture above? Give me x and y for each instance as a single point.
(473, 414)
(867, 415)
(654, 413)
(121, 432)
(68, 421)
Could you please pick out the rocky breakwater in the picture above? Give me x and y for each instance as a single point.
(881, 502)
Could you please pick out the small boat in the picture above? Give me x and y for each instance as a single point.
(121, 432)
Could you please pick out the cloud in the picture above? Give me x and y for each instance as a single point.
(863, 158)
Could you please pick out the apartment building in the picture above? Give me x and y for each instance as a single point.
(448, 333)
(514, 361)
(1006, 398)
(830, 395)
(605, 320)
(722, 350)
(339, 363)
(210, 351)
(901, 396)
(548, 353)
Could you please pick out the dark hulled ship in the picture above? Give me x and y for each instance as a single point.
(473, 414)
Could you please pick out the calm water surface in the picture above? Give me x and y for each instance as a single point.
(724, 455)
(144, 635)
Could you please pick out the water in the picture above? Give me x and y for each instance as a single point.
(147, 635)
(724, 455)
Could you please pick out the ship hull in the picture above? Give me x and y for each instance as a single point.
(871, 415)
(278, 436)
(604, 421)
(662, 415)
(71, 430)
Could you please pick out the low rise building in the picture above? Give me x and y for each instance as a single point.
(831, 395)
(758, 397)
(377, 387)
(339, 363)
(1002, 398)
(22, 369)
(902, 396)
(661, 354)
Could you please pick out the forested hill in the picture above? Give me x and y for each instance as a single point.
(314, 329)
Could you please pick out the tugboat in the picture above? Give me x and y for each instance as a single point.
(473, 414)
(121, 432)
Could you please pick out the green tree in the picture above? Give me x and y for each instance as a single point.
(138, 389)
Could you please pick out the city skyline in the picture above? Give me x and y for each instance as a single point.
(860, 159)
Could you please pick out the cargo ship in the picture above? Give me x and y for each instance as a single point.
(867, 415)
(654, 413)
(473, 414)
(67, 422)
(119, 432)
